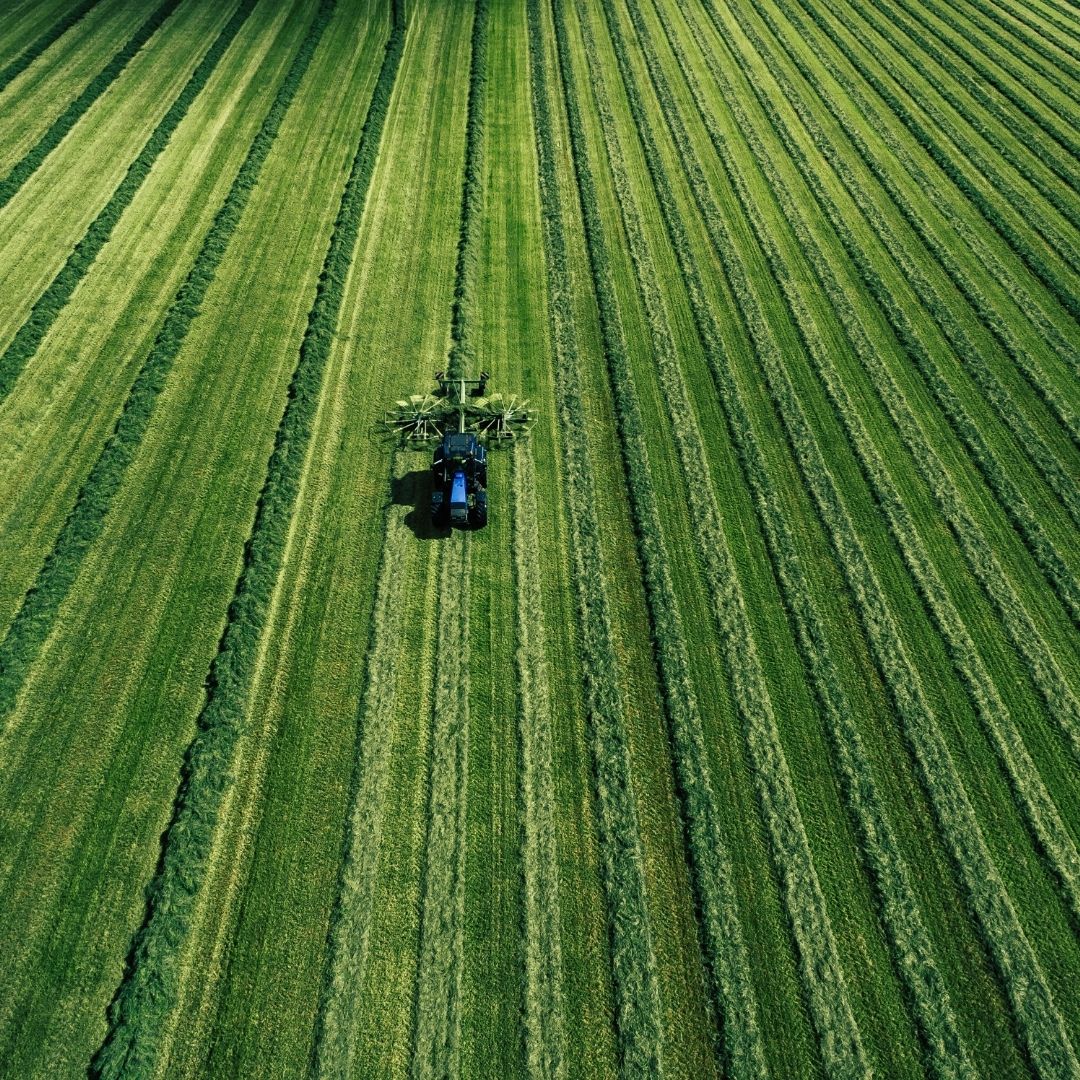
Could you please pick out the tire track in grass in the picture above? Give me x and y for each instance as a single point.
(545, 1035)
(47, 308)
(97, 86)
(637, 1002)
(437, 1031)
(145, 997)
(1038, 1019)
(822, 972)
(39, 45)
(34, 620)
(1049, 830)
(336, 1048)
(910, 942)
(1000, 335)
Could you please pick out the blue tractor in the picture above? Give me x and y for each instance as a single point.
(459, 474)
(462, 416)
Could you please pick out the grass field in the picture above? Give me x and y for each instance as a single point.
(744, 740)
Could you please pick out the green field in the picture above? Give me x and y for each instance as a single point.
(744, 740)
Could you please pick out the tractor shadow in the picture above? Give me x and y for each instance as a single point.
(413, 489)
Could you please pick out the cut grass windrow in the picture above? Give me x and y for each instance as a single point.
(545, 1036)
(990, 464)
(1050, 832)
(84, 524)
(437, 1029)
(727, 959)
(822, 972)
(38, 46)
(97, 86)
(1005, 226)
(900, 910)
(1035, 38)
(1038, 1020)
(52, 301)
(637, 999)
(462, 358)
(140, 1011)
(350, 925)
(1000, 335)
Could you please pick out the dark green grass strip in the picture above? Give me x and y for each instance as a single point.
(985, 66)
(86, 521)
(637, 1000)
(148, 993)
(37, 47)
(32, 159)
(462, 358)
(437, 1028)
(1014, 236)
(822, 972)
(894, 30)
(1033, 35)
(1003, 335)
(52, 301)
(350, 922)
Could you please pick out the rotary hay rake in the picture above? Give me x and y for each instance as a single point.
(459, 405)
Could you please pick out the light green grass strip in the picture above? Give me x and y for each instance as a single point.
(140, 1012)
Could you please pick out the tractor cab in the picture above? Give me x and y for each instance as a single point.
(459, 473)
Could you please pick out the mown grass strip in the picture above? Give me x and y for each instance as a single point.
(437, 1032)
(981, 559)
(637, 1000)
(545, 1035)
(39, 45)
(350, 921)
(966, 349)
(47, 308)
(1038, 1020)
(32, 159)
(147, 995)
(1033, 36)
(1001, 334)
(822, 971)
(986, 68)
(84, 524)
(1049, 830)
(909, 939)
(462, 358)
